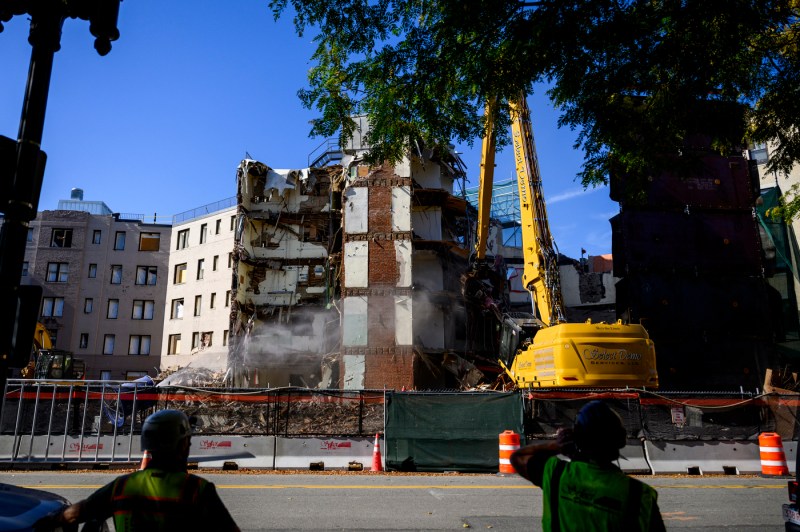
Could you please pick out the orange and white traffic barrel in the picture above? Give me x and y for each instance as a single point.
(509, 442)
(773, 460)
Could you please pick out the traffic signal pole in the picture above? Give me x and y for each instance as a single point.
(23, 173)
(22, 196)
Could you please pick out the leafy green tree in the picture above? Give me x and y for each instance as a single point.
(637, 78)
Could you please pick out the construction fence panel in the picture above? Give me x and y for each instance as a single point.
(668, 416)
(448, 431)
(100, 421)
(279, 412)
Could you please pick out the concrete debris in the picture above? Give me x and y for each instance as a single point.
(191, 377)
(465, 371)
(289, 415)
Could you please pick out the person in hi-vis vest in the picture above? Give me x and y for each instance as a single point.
(163, 495)
(588, 492)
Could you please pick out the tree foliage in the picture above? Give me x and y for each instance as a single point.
(635, 78)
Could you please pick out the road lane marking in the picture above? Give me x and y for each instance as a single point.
(404, 487)
(678, 516)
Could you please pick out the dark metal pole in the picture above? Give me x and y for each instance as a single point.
(23, 199)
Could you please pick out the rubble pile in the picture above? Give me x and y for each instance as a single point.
(191, 377)
(219, 412)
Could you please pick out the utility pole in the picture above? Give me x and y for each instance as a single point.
(22, 161)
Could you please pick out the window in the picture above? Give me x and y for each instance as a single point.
(92, 271)
(88, 305)
(195, 340)
(205, 339)
(146, 275)
(57, 272)
(143, 309)
(203, 233)
(183, 239)
(217, 226)
(105, 375)
(174, 344)
(215, 263)
(233, 222)
(133, 375)
(108, 344)
(139, 345)
(84, 342)
(200, 268)
(230, 260)
(61, 238)
(213, 300)
(52, 307)
(225, 337)
(198, 302)
(180, 274)
(116, 274)
(228, 298)
(96, 236)
(119, 240)
(29, 237)
(149, 241)
(113, 309)
(176, 309)
(25, 267)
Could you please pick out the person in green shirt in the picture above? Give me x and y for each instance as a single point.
(163, 495)
(588, 492)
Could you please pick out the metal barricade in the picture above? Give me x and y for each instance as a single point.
(44, 421)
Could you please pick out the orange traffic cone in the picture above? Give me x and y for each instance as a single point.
(146, 457)
(377, 462)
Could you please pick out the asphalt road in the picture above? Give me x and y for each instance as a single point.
(393, 502)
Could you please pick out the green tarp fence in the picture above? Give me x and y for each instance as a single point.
(448, 432)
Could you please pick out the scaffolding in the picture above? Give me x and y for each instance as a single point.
(505, 208)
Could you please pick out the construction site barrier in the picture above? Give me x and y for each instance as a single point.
(334, 453)
(89, 422)
(632, 459)
(702, 457)
(773, 460)
(509, 442)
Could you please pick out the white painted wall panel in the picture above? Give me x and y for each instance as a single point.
(356, 264)
(427, 222)
(404, 325)
(403, 168)
(354, 369)
(402, 250)
(401, 208)
(354, 321)
(356, 210)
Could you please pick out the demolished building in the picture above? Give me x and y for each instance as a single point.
(348, 276)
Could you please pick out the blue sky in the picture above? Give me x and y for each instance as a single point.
(160, 124)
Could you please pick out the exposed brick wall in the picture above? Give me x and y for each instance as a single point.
(382, 264)
(390, 371)
(380, 208)
(380, 320)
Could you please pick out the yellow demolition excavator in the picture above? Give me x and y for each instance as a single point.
(544, 350)
(50, 363)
